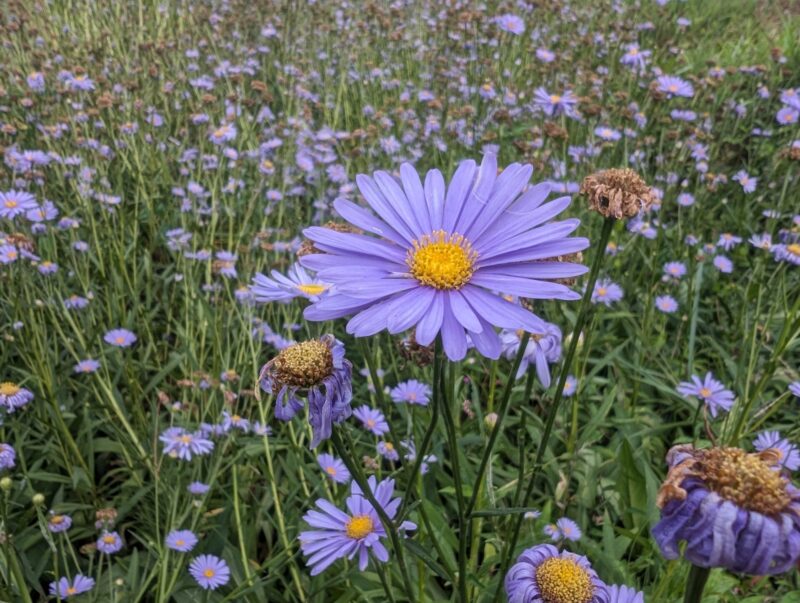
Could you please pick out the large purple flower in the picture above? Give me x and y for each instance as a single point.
(337, 534)
(731, 508)
(442, 256)
(543, 574)
(318, 370)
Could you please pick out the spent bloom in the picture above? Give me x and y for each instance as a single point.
(181, 540)
(337, 534)
(334, 468)
(732, 508)
(543, 574)
(317, 370)
(542, 350)
(710, 391)
(617, 193)
(66, 588)
(788, 453)
(444, 258)
(210, 571)
(412, 392)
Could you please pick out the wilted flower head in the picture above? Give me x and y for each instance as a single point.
(732, 508)
(617, 193)
(318, 370)
(542, 350)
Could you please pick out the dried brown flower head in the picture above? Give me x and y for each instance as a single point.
(617, 193)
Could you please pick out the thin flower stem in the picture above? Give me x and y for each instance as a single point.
(388, 525)
(695, 583)
(583, 313)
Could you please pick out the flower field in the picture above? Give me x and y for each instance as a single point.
(410, 301)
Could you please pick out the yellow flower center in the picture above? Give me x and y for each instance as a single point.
(208, 573)
(794, 249)
(370, 422)
(109, 539)
(389, 446)
(672, 88)
(185, 439)
(56, 519)
(220, 132)
(312, 288)
(602, 291)
(745, 479)
(555, 98)
(562, 580)
(11, 204)
(705, 392)
(442, 261)
(330, 470)
(180, 542)
(359, 527)
(304, 364)
(9, 389)
(71, 590)
(119, 339)
(235, 418)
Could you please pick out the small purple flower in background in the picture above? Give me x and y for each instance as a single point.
(334, 468)
(728, 241)
(234, 421)
(8, 456)
(372, 420)
(787, 253)
(65, 589)
(543, 349)
(511, 23)
(788, 453)
(121, 338)
(762, 241)
(210, 571)
(666, 304)
(543, 574)
(545, 55)
(12, 396)
(710, 391)
(794, 388)
(411, 456)
(570, 386)
(635, 57)
(197, 488)
(674, 86)
(624, 594)
(746, 181)
(58, 522)
(563, 529)
(14, 203)
(412, 392)
(388, 451)
(685, 199)
(337, 534)
(225, 133)
(181, 540)
(555, 104)
(296, 283)
(8, 254)
(607, 133)
(86, 366)
(181, 444)
(606, 292)
(225, 264)
(787, 116)
(109, 543)
(723, 264)
(675, 269)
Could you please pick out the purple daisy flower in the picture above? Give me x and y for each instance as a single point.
(723, 264)
(624, 594)
(372, 420)
(606, 292)
(570, 386)
(746, 181)
(337, 534)
(675, 269)
(710, 391)
(334, 468)
(14, 203)
(445, 259)
(8, 456)
(296, 283)
(563, 529)
(411, 456)
(607, 133)
(542, 350)
(59, 522)
(65, 588)
(787, 116)
(181, 540)
(181, 444)
(674, 86)
(318, 370)
(86, 366)
(728, 241)
(543, 574)
(555, 104)
(787, 253)
(109, 543)
(732, 508)
(794, 387)
(197, 488)
(666, 304)
(121, 338)
(210, 571)
(511, 23)
(412, 392)
(225, 133)
(388, 451)
(686, 199)
(12, 396)
(788, 453)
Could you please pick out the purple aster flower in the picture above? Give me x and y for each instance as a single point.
(762, 241)
(543, 574)
(86, 366)
(570, 386)
(411, 456)
(296, 283)
(787, 116)
(412, 392)
(511, 23)
(563, 529)
(747, 182)
(545, 55)
(555, 104)
(607, 133)
(732, 508)
(788, 453)
(181, 540)
(675, 269)
(683, 115)
(337, 534)
(606, 292)
(197, 488)
(388, 451)
(58, 522)
(65, 588)
(710, 391)
(109, 543)
(787, 253)
(791, 97)
(8, 456)
(12, 396)
(372, 420)
(666, 304)
(210, 571)
(685, 199)
(225, 133)
(35, 81)
(542, 350)
(445, 258)
(14, 203)
(723, 264)
(234, 421)
(317, 370)
(80, 82)
(8, 254)
(181, 444)
(225, 264)
(728, 241)
(674, 86)
(635, 57)
(334, 468)
(624, 594)
(121, 338)
(794, 388)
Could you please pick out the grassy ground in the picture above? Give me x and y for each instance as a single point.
(318, 93)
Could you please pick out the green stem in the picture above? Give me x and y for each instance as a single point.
(583, 313)
(695, 583)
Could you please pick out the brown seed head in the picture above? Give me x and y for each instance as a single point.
(617, 193)
(303, 364)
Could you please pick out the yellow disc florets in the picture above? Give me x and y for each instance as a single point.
(9, 389)
(312, 288)
(562, 580)
(304, 364)
(442, 261)
(794, 249)
(359, 526)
